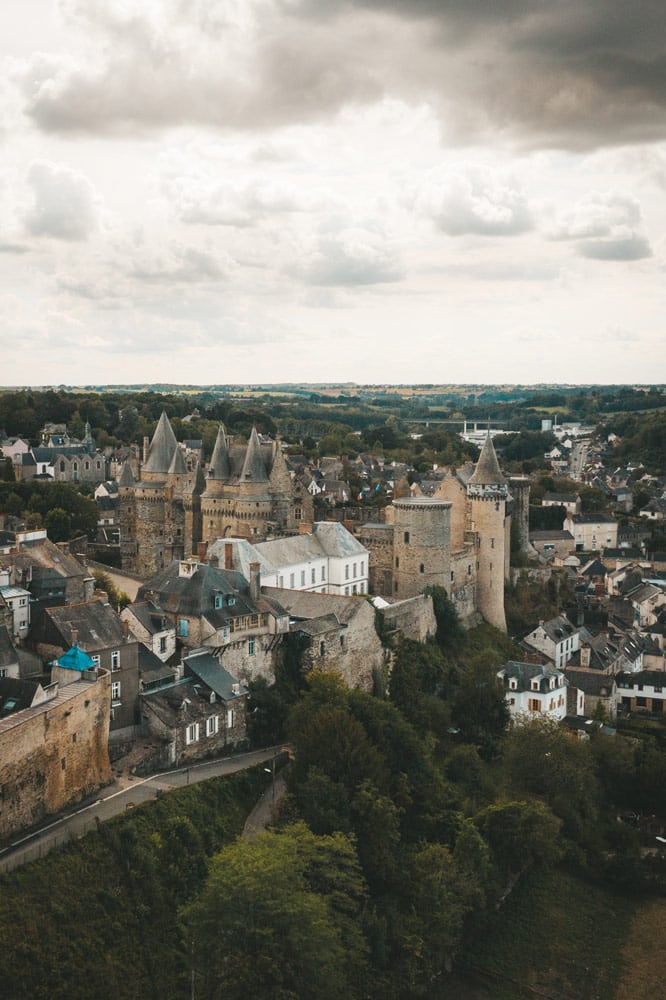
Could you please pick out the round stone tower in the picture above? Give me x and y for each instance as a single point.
(488, 498)
(520, 513)
(421, 545)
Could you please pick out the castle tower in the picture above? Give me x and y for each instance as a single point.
(421, 545)
(488, 511)
(520, 513)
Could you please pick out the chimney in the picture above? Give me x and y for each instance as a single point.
(228, 555)
(125, 626)
(75, 634)
(145, 450)
(255, 581)
(584, 656)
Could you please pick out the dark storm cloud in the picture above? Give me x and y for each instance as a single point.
(566, 74)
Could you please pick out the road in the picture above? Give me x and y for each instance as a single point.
(125, 793)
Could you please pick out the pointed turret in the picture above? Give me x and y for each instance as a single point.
(219, 463)
(162, 447)
(487, 471)
(126, 476)
(254, 470)
(178, 466)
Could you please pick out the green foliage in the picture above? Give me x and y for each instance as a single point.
(71, 514)
(280, 911)
(117, 598)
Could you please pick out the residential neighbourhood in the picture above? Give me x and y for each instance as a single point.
(229, 566)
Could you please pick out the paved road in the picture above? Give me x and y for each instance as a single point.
(123, 794)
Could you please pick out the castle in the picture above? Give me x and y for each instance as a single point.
(165, 513)
(459, 539)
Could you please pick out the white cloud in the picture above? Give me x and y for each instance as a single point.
(606, 226)
(349, 256)
(476, 201)
(65, 205)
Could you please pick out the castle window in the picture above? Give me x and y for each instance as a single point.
(422, 568)
(322, 648)
(406, 538)
(453, 576)
(492, 543)
(397, 562)
(469, 570)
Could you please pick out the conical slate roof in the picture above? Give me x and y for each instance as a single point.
(162, 447)
(178, 463)
(126, 476)
(254, 470)
(487, 471)
(219, 463)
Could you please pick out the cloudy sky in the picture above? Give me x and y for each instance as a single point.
(332, 190)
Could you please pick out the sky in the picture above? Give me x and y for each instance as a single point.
(375, 191)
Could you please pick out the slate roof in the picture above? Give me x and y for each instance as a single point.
(202, 665)
(150, 616)
(525, 673)
(162, 447)
(487, 471)
(219, 464)
(17, 694)
(194, 595)
(591, 682)
(302, 605)
(97, 624)
(254, 470)
(8, 652)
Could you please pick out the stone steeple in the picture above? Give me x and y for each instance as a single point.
(487, 471)
(254, 470)
(126, 476)
(178, 466)
(162, 447)
(220, 467)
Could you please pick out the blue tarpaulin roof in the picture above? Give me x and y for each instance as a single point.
(76, 659)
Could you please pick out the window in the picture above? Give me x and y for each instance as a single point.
(534, 705)
(250, 647)
(641, 702)
(354, 571)
(115, 659)
(192, 733)
(453, 576)
(422, 568)
(95, 660)
(347, 571)
(312, 580)
(292, 581)
(219, 600)
(302, 578)
(115, 691)
(406, 538)
(183, 627)
(492, 543)
(163, 644)
(469, 569)
(323, 573)
(322, 648)
(397, 562)
(231, 718)
(347, 591)
(212, 725)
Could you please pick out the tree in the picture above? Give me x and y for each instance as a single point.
(58, 524)
(278, 912)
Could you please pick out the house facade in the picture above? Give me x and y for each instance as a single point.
(532, 689)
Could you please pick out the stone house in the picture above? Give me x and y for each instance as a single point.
(17, 602)
(553, 542)
(9, 659)
(53, 745)
(339, 633)
(51, 573)
(558, 639)
(598, 689)
(200, 715)
(533, 689)
(221, 610)
(644, 691)
(328, 559)
(591, 532)
(152, 627)
(96, 629)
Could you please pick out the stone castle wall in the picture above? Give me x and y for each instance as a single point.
(54, 755)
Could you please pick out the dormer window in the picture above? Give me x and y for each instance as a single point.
(231, 600)
(219, 600)
(513, 684)
(535, 685)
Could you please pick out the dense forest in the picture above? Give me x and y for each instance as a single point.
(413, 820)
